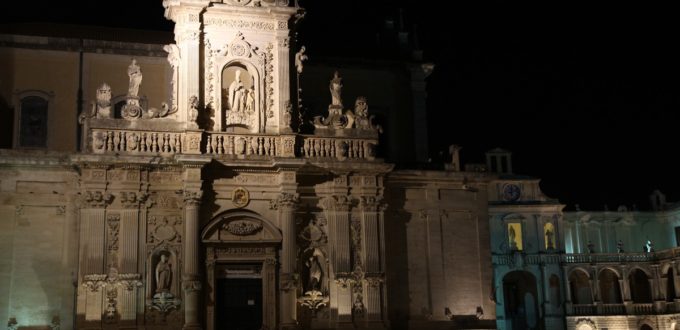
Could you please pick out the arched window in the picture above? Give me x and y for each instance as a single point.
(579, 285)
(610, 291)
(30, 120)
(640, 290)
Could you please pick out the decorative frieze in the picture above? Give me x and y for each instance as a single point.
(240, 24)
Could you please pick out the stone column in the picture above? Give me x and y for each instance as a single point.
(286, 204)
(337, 214)
(371, 238)
(282, 64)
(93, 245)
(191, 282)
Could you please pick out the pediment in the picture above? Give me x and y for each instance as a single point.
(240, 227)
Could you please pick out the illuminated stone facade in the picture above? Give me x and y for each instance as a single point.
(195, 183)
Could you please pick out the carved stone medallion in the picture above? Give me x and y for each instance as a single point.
(240, 197)
(243, 227)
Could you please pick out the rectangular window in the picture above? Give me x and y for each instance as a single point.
(33, 122)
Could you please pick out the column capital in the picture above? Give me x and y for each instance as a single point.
(192, 285)
(371, 204)
(192, 198)
(285, 200)
(335, 203)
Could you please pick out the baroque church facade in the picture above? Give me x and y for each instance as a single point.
(192, 194)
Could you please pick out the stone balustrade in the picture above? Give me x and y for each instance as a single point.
(247, 145)
(611, 309)
(338, 148)
(136, 142)
(643, 309)
(151, 142)
(585, 309)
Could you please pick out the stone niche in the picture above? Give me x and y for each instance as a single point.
(239, 99)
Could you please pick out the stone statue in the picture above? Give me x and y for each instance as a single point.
(591, 247)
(315, 270)
(193, 109)
(619, 246)
(104, 101)
(649, 247)
(236, 93)
(135, 74)
(512, 236)
(336, 91)
(163, 275)
(300, 57)
(549, 239)
(250, 98)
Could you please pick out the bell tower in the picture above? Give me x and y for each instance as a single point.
(232, 56)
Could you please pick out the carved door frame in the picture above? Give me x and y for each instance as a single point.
(252, 239)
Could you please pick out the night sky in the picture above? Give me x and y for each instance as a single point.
(585, 94)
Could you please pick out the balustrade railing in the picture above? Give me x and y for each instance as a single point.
(136, 142)
(643, 309)
(133, 141)
(612, 309)
(586, 309)
(337, 147)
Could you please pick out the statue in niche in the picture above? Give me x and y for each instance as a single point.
(250, 98)
(336, 91)
(236, 94)
(135, 74)
(512, 236)
(549, 239)
(163, 276)
(649, 247)
(315, 273)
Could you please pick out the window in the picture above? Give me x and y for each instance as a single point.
(31, 119)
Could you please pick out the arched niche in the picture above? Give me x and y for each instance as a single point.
(240, 104)
(172, 259)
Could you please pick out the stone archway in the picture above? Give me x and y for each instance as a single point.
(241, 245)
(521, 303)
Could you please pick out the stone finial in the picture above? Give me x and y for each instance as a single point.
(658, 200)
(454, 151)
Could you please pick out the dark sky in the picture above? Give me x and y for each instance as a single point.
(585, 94)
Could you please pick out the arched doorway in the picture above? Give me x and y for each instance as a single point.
(610, 291)
(646, 327)
(521, 304)
(241, 257)
(640, 290)
(579, 285)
